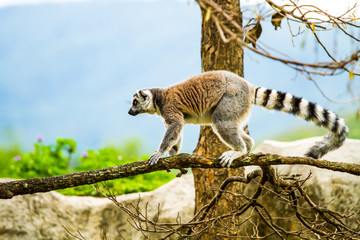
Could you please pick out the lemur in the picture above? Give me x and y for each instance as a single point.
(223, 100)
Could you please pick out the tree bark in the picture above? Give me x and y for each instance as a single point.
(217, 55)
(34, 185)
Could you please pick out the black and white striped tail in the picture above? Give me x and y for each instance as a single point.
(285, 102)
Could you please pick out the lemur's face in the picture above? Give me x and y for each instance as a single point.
(142, 103)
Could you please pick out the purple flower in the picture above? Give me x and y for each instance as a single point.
(84, 154)
(17, 158)
(40, 138)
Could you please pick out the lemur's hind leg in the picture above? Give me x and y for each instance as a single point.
(229, 134)
(249, 142)
(227, 125)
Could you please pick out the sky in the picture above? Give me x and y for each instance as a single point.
(334, 7)
(70, 70)
(6, 3)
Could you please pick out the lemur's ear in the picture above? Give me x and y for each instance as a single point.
(143, 94)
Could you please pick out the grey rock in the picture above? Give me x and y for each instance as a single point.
(46, 215)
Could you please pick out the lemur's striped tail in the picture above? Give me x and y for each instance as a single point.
(285, 102)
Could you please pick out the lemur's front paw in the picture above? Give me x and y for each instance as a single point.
(154, 158)
(227, 157)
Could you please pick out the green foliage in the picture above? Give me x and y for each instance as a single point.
(354, 125)
(44, 161)
(50, 160)
(109, 157)
(7, 155)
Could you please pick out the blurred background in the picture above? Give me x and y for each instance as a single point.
(70, 68)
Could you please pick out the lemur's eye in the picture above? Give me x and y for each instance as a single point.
(135, 102)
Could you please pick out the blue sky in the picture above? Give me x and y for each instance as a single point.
(70, 70)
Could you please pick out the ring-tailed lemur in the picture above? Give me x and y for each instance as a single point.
(223, 99)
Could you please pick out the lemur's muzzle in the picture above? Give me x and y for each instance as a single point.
(132, 113)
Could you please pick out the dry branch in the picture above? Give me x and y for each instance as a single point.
(330, 68)
(34, 185)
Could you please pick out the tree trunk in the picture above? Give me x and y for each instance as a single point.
(217, 55)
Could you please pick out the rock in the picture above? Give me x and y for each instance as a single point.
(349, 153)
(46, 215)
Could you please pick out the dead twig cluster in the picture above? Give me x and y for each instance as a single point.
(256, 216)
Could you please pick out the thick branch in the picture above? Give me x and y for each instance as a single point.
(29, 186)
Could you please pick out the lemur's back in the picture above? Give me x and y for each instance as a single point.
(197, 94)
(200, 93)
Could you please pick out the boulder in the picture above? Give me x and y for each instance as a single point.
(46, 215)
(349, 153)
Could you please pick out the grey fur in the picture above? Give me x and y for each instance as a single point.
(223, 100)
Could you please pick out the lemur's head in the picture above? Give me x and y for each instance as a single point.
(142, 103)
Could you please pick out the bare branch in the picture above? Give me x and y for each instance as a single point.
(29, 186)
